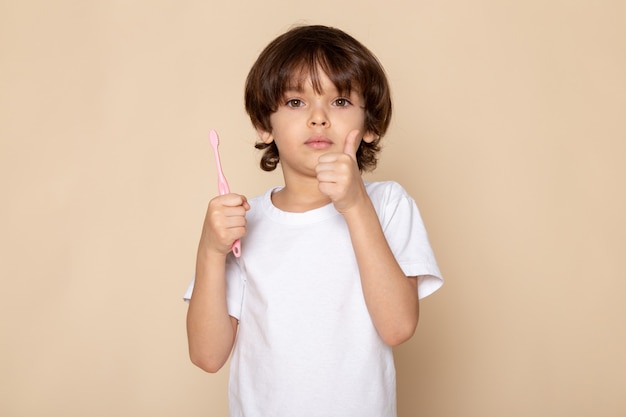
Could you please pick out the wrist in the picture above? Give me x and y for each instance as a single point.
(362, 209)
(208, 253)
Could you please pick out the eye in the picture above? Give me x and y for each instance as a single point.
(294, 102)
(342, 102)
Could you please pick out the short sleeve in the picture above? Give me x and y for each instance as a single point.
(407, 237)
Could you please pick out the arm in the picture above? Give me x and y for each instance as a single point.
(390, 296)
(210, 330)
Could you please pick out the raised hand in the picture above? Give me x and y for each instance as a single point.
(339, 176)
(225, 222)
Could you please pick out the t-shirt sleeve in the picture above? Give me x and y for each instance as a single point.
(235, 286)
(407, 237)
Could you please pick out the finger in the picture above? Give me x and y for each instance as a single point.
(234, 222)
(246, 205)
(351, 145)
(233, 200)
(234, 211)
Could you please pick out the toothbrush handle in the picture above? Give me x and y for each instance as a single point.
(223, 188)
(236, 248)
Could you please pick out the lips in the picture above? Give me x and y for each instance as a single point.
(319, 142)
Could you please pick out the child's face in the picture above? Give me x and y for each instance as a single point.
(307, 125)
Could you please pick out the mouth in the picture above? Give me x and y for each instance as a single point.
(319, 142)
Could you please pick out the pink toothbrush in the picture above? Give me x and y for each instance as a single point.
(222, 184)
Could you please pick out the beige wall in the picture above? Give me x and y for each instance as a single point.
(509, 131)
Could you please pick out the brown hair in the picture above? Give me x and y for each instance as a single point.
(300, 52)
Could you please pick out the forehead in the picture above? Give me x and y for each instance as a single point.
(300, 83)
(320, 80)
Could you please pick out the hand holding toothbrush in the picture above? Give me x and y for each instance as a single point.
(225, 221)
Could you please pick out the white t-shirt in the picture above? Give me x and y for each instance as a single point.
(306, 345)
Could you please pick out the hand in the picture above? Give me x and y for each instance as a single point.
(339, 176)
(225, 222)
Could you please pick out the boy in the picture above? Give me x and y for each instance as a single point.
(332, 266)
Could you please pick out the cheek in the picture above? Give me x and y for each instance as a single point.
(279, 122)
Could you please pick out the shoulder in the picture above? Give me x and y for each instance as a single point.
(262, 199)
(266, 194)
(392, 202)
(386, 191)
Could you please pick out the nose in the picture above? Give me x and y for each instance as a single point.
(318, 117)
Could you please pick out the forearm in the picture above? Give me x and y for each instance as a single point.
(210, 330)
(390, 296)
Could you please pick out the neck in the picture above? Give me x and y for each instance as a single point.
(300, 196)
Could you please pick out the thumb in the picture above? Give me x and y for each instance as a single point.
(350, 146)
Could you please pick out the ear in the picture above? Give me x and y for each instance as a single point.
(369, 137)
(265, 136)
